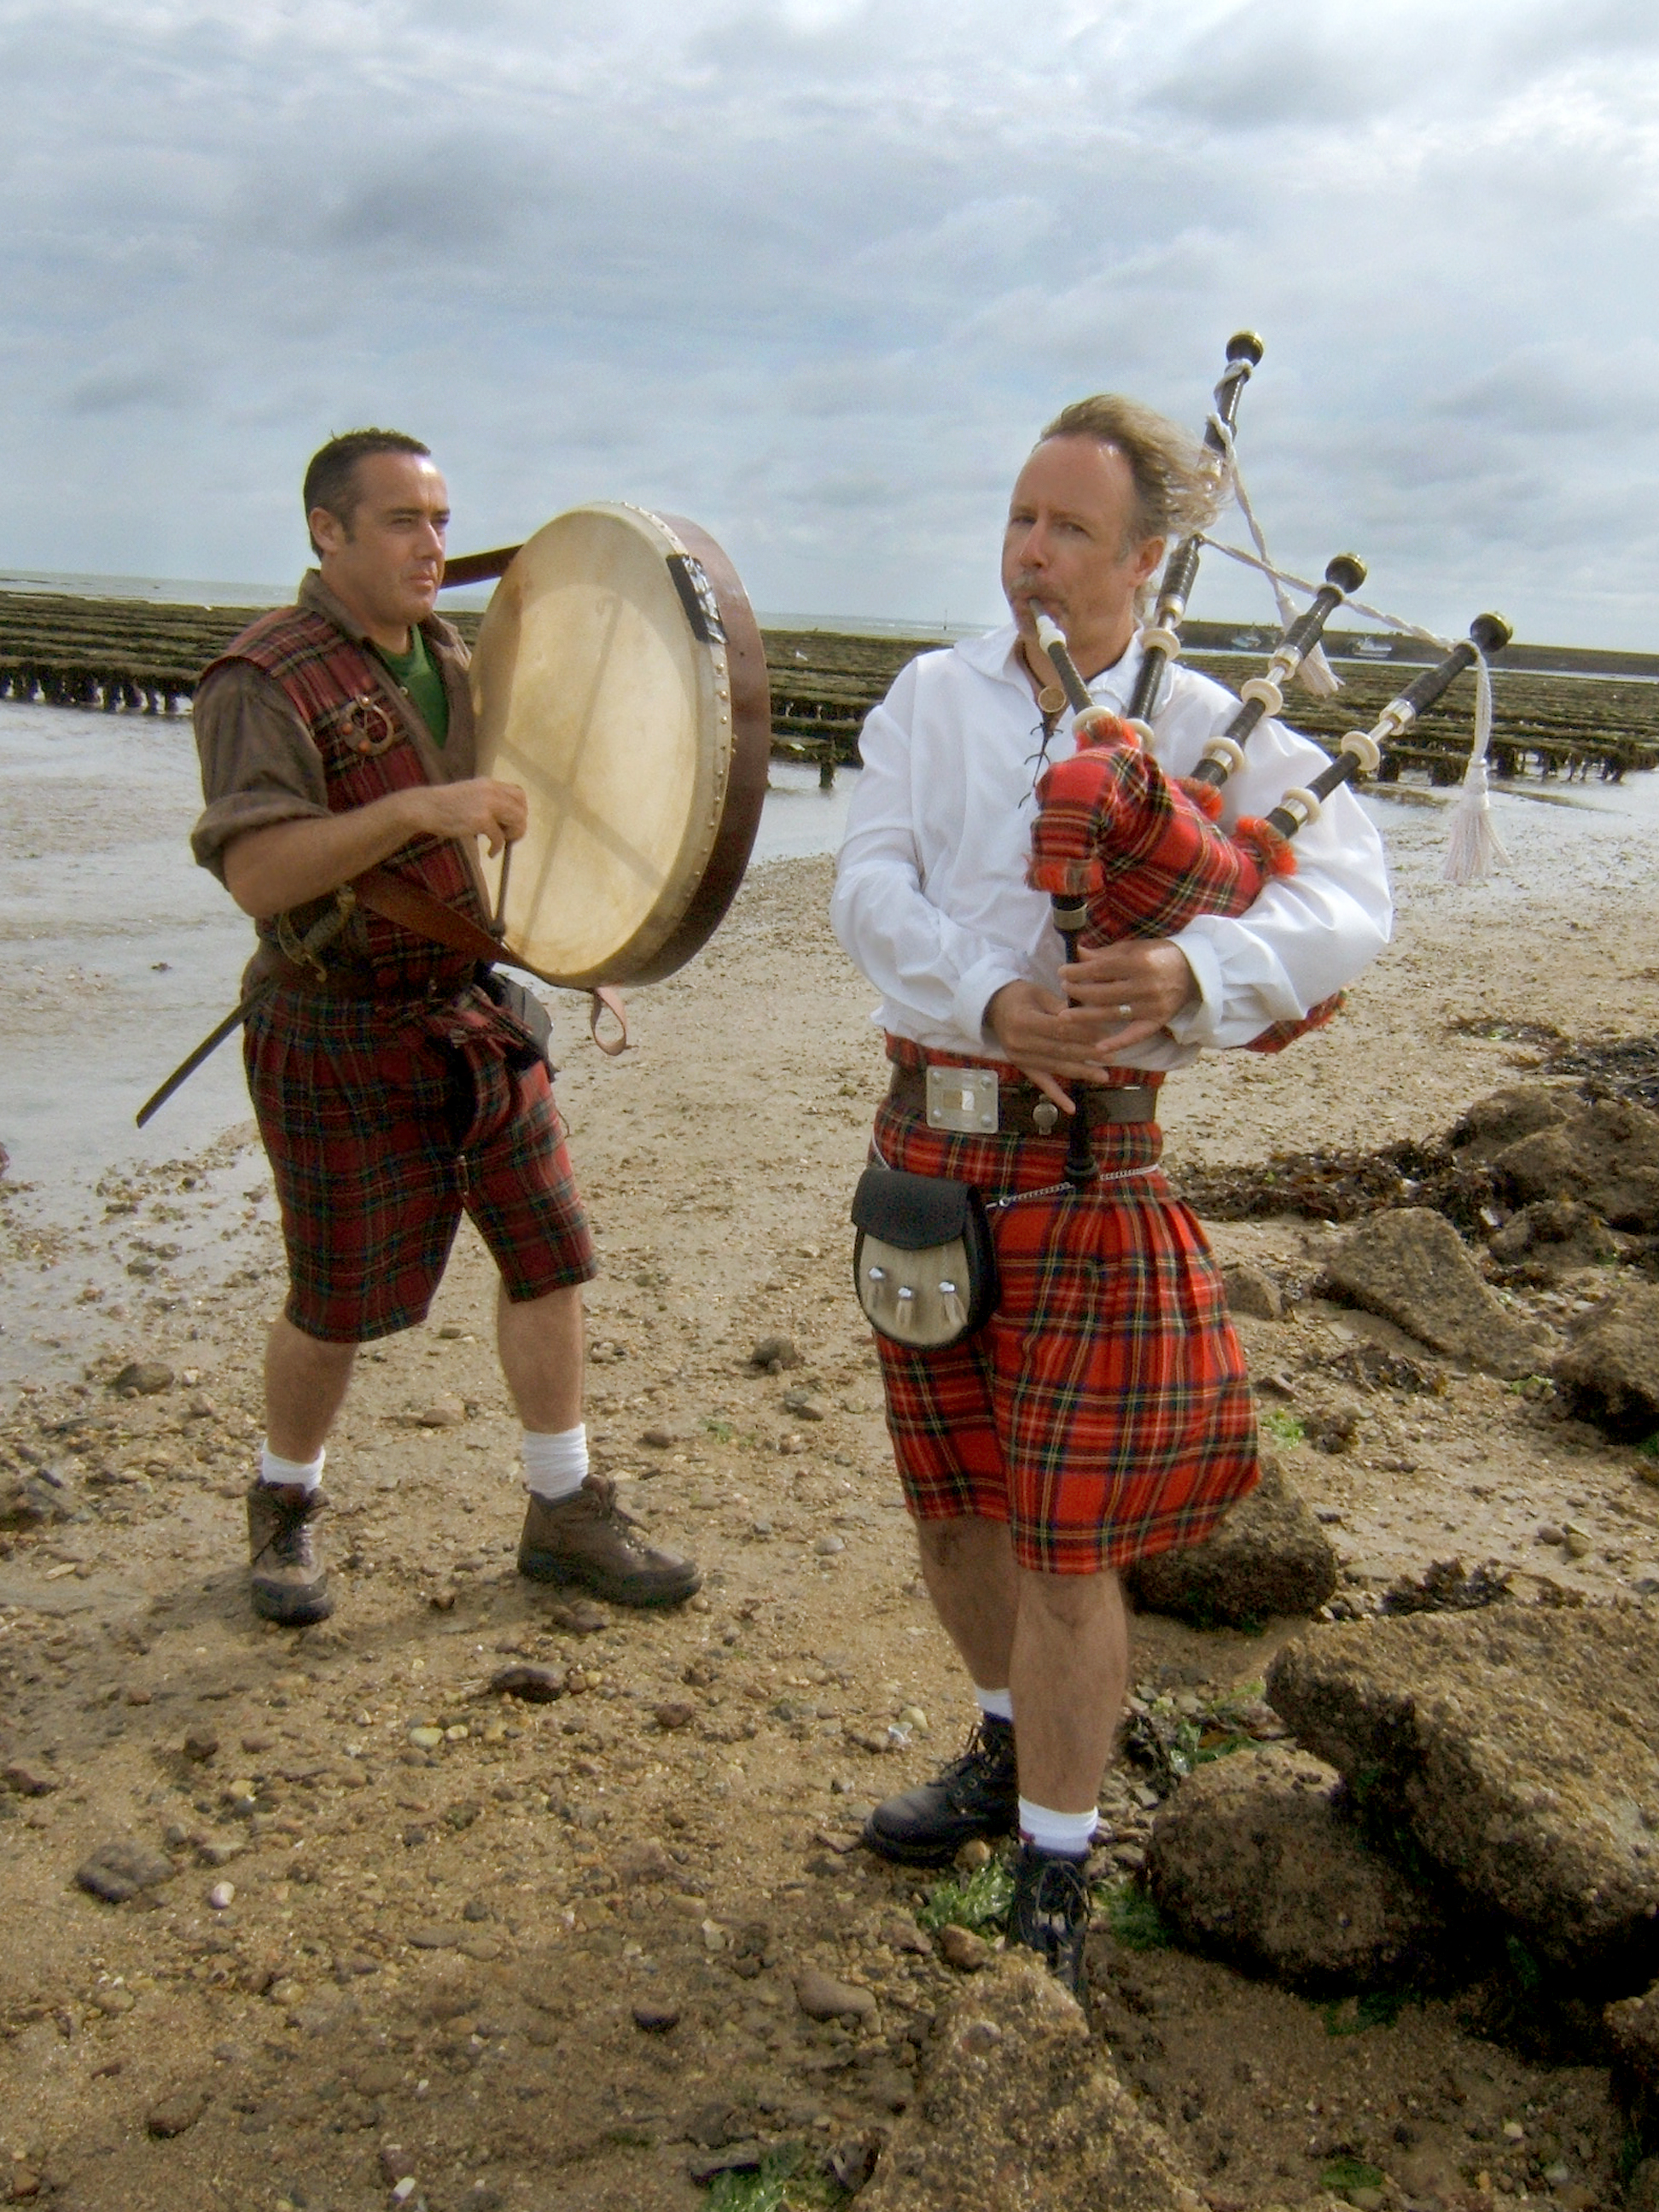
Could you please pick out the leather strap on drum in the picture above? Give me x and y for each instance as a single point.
(394, 899)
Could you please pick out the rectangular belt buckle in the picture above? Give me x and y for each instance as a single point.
(963, 1099)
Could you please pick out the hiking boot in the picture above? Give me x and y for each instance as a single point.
(1050, 1913)
(288, 1582)
(976, 1794)
(585, 1539)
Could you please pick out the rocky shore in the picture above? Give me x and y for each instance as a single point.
(474, 1897)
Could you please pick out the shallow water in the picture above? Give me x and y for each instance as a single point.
(117, 955)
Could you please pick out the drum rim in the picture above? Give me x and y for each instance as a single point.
(748, 718)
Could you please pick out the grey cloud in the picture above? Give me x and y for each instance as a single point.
(117, 391)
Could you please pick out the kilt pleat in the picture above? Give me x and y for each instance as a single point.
(1105, 1411)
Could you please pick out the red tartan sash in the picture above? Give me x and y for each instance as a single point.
(367, 752)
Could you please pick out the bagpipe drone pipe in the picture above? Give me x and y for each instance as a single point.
(1124, 850)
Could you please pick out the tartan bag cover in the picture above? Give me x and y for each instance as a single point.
(1113, 828)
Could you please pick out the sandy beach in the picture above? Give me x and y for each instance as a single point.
(448, 1910)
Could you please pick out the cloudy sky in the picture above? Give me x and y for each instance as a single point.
(813, 271)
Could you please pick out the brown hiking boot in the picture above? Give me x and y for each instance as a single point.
(288, 1583)
(585, 1539)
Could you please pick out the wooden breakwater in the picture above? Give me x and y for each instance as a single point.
(141, 656)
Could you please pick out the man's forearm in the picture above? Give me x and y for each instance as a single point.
(269, 871)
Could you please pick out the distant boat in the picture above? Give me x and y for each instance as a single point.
(1246, 640)
(1374, 648)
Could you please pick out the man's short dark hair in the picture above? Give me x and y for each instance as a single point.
(331, 478)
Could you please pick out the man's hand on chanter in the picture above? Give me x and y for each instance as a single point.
(1124, 994)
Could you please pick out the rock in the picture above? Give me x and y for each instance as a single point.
(174, 2114)
(645, 1861)
(222, 1896)
(960, 1948)
(1252, 1292)
(1503, 1117)
(539, 1685)
(118, 1871)
(774, 1353)
(1632, 2027)
(1606, 1155)
(1268, 1556)
(1609, 1372)
(1014, 2105)
(396, 2163)
(1554, 1238)
(144, 1378)
(33, 1501)
(424, 1738)
(29, 1781)
(675, 1713)
(445, 1412)
(199, 1746)
(827, 1546)
(436, 1936)
(705, 2166)
(1410, 1266)
(1250, 1861)
(821, 1998)
(656, 2018)
(659, 1439)
(803, 1405)
(900, 1933)
(1518, 1747)
(580, 1617)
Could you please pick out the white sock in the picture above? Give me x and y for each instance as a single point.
(1067, 1833)
(998, 1704)
(292, 1473)
(556, 1467)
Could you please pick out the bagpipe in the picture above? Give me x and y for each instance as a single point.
(1125, 850)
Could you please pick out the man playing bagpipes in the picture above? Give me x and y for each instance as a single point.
(1102, 1412)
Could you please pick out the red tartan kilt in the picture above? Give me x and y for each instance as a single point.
(1103, 1411)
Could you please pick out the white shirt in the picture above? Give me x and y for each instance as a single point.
(930, 900)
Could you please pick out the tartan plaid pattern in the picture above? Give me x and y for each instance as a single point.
(383, 1124)
(1110, 826)
(1103, 1411)
(366, 751)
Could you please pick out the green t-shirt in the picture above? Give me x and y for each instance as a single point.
(418, 678)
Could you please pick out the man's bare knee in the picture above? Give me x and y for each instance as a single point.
(946, 1543)
(1069, 1601)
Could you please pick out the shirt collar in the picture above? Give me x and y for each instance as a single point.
(315, 596)
(997, 654)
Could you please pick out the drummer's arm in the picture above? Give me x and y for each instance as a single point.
(268, 870)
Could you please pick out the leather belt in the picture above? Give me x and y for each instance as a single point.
(1015, 1105)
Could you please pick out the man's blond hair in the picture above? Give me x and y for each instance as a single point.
(1177, 481)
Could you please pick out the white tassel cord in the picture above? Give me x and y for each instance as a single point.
(1315, 674)
(1474, 847)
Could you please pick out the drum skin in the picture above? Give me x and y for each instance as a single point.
(619, 678)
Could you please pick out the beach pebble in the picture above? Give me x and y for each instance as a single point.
(144, 1378)
(200, 1745)
(973, 1855)
(659, 1439)
(960, 1948)
(676, 1713)
(29, 1781)
(425, 1738)
(175, 2114)
(656, 2018)
(774, 1353)
(113, 2001)
(118, 1871)
(222, 1895)
(827, 1546)
(822, 1998)
(803, 1405)
(445, 1412)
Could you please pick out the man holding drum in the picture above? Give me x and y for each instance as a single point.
(1103, 1414)
(393, 1089)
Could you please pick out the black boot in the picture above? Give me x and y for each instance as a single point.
(975, 1795)
(1050, 1913)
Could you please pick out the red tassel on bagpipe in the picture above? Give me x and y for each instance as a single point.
(1143, 850)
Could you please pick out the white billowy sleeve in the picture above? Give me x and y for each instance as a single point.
(1307, 935)
(921, 962)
